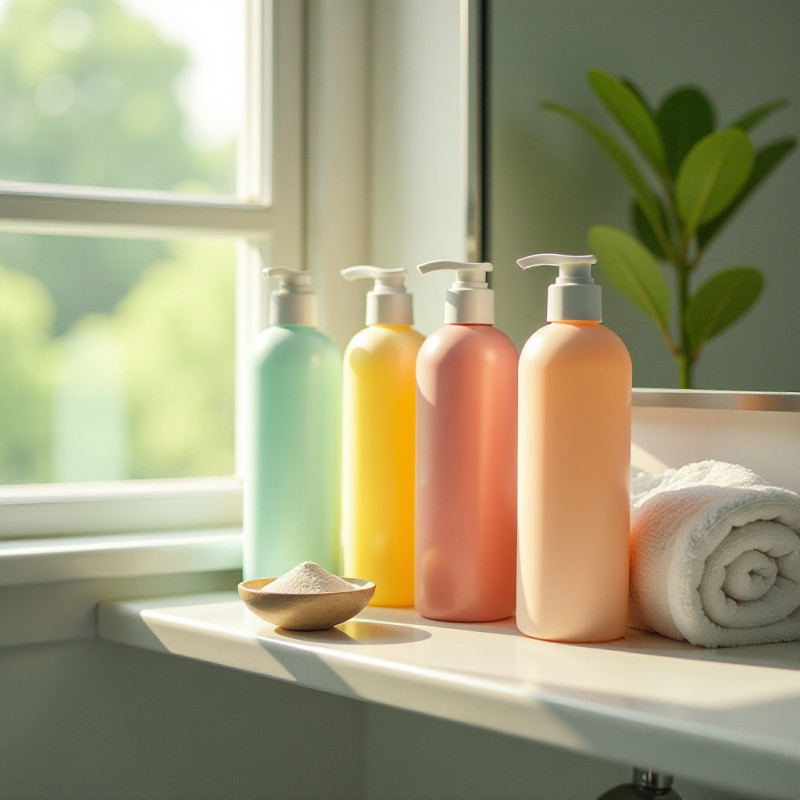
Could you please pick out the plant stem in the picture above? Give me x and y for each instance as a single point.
(684, 358)
(684, 371)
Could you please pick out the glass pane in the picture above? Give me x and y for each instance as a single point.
(139, 94)
(116, 359)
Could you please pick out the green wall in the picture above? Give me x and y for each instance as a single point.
(548, 182)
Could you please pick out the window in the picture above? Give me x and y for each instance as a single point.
(140, 198)
(130, 94)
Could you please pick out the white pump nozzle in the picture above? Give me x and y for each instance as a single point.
(574, 295)
(294, 301)
(388, 302)
(469, 299)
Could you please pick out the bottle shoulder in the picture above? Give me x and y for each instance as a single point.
(381, 349)
(558, 335)
(294, 342)
(387, 338)
(560, 339)
(459, 338)
(457, 350)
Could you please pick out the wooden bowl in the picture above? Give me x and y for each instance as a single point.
(306, 612)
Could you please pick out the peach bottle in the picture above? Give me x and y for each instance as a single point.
(465, 550)
(574, 466)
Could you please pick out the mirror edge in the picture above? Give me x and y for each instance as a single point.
(473, 91)
(717, 399)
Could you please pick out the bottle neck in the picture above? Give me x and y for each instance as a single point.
(569, 301)
(293, 308)
(469, 306)
(389, 308)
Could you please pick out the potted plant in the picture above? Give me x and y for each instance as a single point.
(699, 175)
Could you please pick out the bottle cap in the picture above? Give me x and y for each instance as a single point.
(388, 302)
(294, 302)
(574, 295)
(469, 299)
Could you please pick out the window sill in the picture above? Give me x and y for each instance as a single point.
(62, 559)
(78, 509)
(50, 588)
(726, 717)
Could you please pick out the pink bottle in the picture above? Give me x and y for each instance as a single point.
(574, 466)
(465, 549)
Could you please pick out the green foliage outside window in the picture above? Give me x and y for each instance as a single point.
(88, 98)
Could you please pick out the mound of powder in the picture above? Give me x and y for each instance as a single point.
(308, 578)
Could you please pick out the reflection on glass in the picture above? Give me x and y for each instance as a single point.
(116, 359)
(137, 94)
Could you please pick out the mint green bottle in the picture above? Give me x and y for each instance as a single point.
(292, 481)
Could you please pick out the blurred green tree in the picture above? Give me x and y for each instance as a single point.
(27, 359)
(88, 97)
(177, 333)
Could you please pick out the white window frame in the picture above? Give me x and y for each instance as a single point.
(268, 222)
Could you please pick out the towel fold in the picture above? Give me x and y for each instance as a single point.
(715, 556)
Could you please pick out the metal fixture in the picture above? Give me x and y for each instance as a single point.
(645, 785)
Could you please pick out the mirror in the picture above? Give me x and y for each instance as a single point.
(545, 182)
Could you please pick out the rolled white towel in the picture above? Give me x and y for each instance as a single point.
(715, 556)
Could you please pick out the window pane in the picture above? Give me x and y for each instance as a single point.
(116, 359)
(140, 94)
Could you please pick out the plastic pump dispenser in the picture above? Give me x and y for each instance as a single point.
(294, 437)
(388, 302)
(574, 466)
(378, 448)
(469, 299)
(574, 295)
(294, 302)
(466, 457)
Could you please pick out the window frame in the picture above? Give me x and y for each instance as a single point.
(266, 219)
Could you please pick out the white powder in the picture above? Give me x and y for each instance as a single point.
(308, 578)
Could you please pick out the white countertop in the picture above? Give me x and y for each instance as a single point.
(728, 717)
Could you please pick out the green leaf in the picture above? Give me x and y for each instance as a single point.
(642, 191)
(711, 176)
(631, 268)
(720, 301)
(640, 94)
(645, 233)
(767, 159)
(749, 120)
(685, 117)
(633, 115)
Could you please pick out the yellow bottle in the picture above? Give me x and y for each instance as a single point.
(378, 433)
